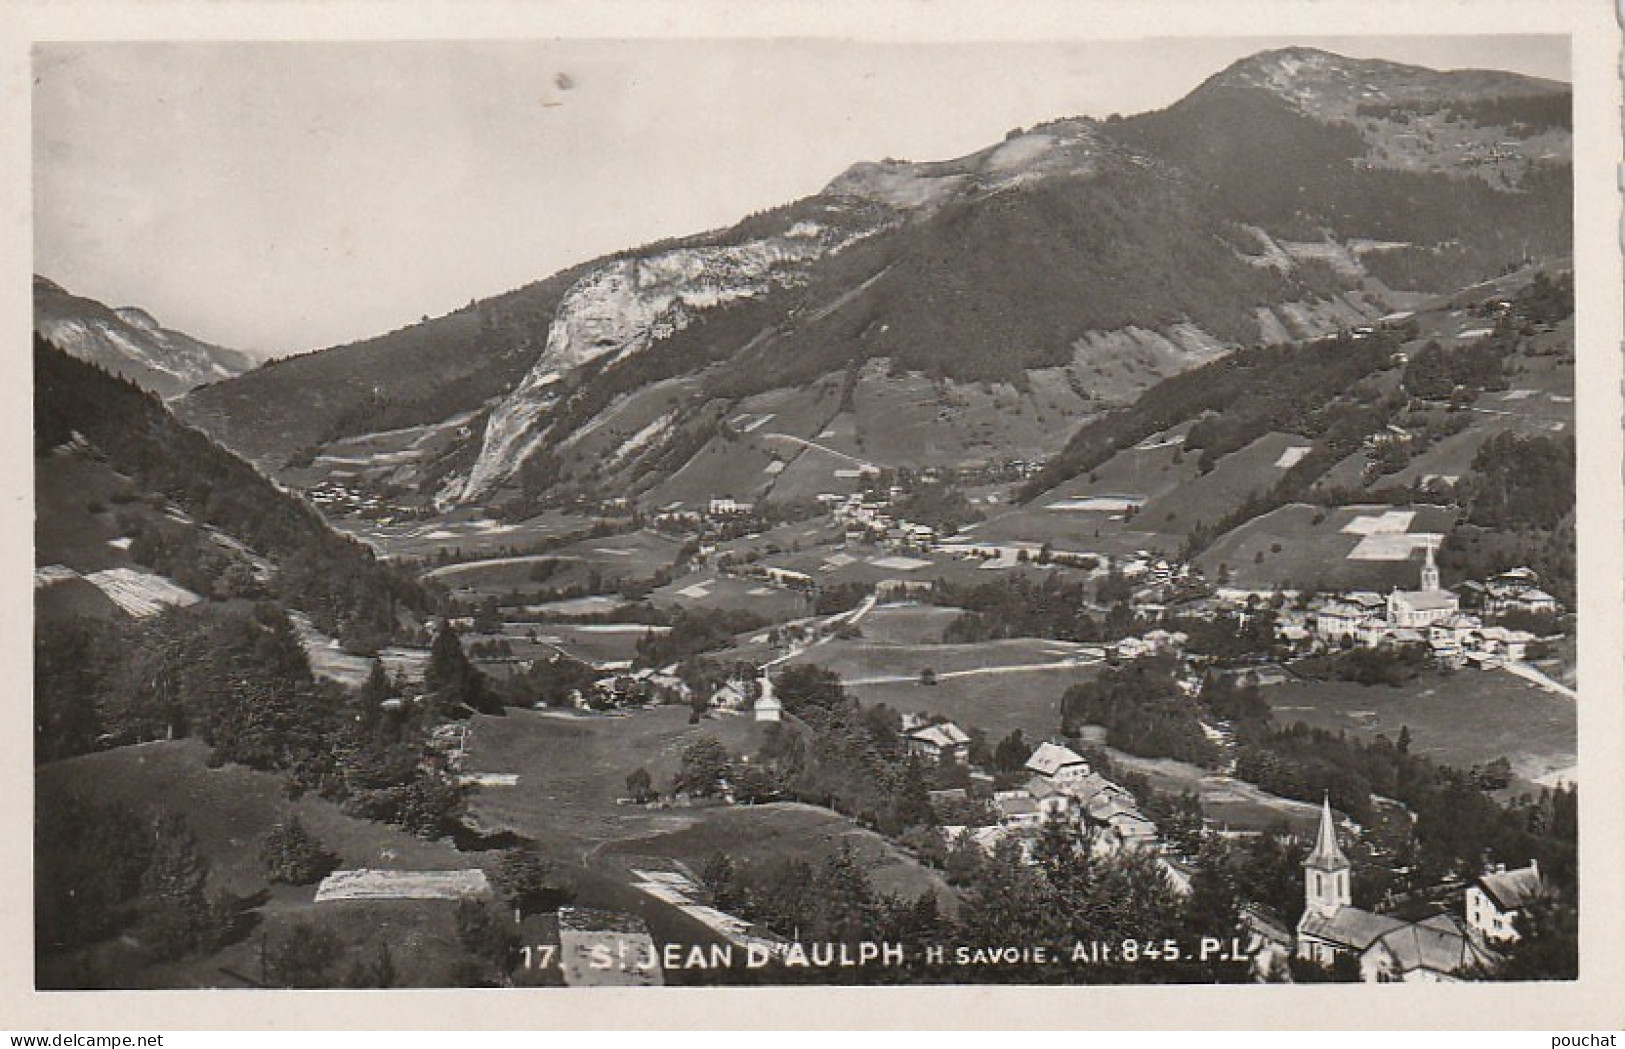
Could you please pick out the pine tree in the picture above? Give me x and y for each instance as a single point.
(845, 898)
(294, 856)
(174, 887)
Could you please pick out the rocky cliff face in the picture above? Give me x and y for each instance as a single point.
(628, 305)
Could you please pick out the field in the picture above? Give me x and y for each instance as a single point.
(1233, 479)
(998, 704)
(572, 769)
(712, 591)
(868, 564)
(1228, 803)
(594, 643)
(908, 624)
(229, 810)
(996, 686)
(634, 556)
(1461, 719)
(463, 532)
(1314, 549)
(73, 513)
(785, 830)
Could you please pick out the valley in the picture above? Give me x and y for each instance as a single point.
(1142, 490)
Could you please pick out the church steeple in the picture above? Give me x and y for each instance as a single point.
(1326, 871)
(1430, 571)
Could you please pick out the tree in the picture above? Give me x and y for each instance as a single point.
(1214, 902)
(1548, 944)
(489, 940)
(722, 878)
(639, 787)
(1012, 752)
(379, 972)
(1008, 901)
(302, 957)
(292, 854)
(370, 700)
(527, 882)
(964, 860)
(174, 888)
(705, 768)
(844, 898)
(805, 685)
(452, 679)
(754, 784)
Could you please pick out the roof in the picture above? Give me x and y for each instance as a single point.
(1348, 927)
(1019, 806)
(1041, 788)
(1265, 921)
(1092, 783)
(1051, 758)
(946, 734)
(1327, 855)
(1510, 890)
(586, 919)
(1427, 600)
(1437, 944)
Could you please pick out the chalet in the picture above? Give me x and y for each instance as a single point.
(1057, 764)
(1507, 644)
(1532, 600)
(732, 695)
(1119, 823)
(1017, 809)
(1052, 801)
(934, 742)
(1494, 901)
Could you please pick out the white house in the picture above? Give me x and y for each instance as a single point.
(934, 741)
(1057, 763)
(1494, 900)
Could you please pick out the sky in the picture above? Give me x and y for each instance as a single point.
(282, 197)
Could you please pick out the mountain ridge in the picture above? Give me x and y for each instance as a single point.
(130, 342)
(1250, 211)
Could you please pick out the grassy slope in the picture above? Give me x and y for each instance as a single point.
(229, 810)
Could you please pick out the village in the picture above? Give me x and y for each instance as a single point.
(1458, 628)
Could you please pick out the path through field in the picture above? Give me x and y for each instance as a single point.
(1531, 674)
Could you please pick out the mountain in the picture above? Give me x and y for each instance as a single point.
(129, 342)
(944, 313)
(152, 513)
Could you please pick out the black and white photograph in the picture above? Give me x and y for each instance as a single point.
(549, 513)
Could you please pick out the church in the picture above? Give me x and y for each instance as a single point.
(1388, 949)
(1417, 609)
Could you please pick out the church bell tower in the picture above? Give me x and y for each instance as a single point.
(1430, 571)
(1326, 871)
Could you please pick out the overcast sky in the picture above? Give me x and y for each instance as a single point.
(285, 197)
